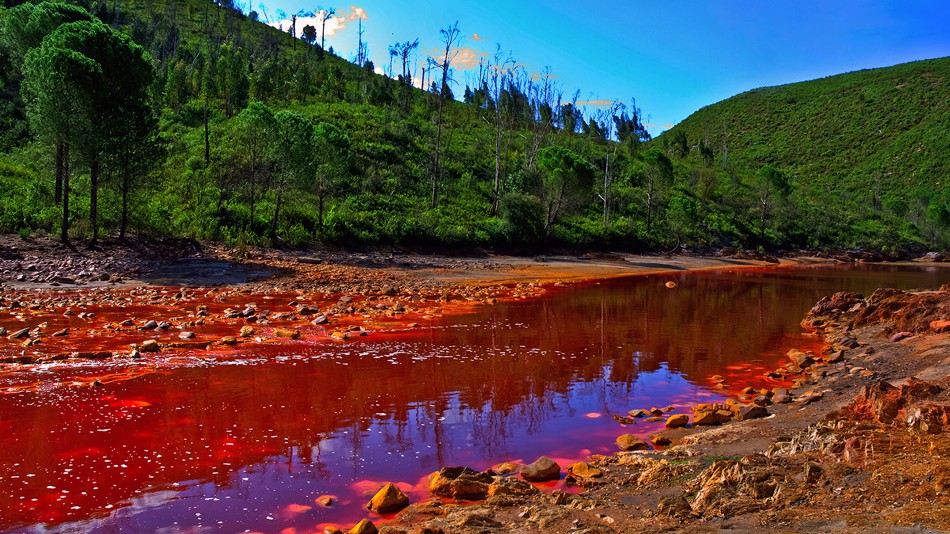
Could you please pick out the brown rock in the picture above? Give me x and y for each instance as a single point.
(229, 340)
(287, 333)
(752, 411)
(900, 336)
(505, 468)
(541, 470)
(247, 331)
(677, 421)
(585, 470)
(712, 417)
(325, 500)
(149, 345)
(660, 441)
(363, 527)
(388, 499)
(940, 327)
(674, 506)
(511, 486)
(629, 442)
(460, 483)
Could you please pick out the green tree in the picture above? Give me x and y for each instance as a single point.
(770, 188)
(231, 78)
(567, 179)
(114, 75)
(657, 178)
(333, 159)
(291, 150)
(255, 126)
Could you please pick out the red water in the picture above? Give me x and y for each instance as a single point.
(250, 439)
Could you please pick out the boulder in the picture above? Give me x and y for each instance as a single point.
(629, 442)
(541, 470)
(752, 411)
(660, 441)
(388, 499)
(460, 483)
(149, 345)
(677, 421)
(712, 417)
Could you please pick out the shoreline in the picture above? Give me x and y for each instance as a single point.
(716, 469)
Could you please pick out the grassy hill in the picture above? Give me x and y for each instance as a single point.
(876, 141)
(852, 161)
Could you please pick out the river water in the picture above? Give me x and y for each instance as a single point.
(250, 443)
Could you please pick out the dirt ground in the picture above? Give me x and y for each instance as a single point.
(860, 444)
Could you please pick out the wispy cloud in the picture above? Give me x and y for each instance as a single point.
(465, 58)
(476, 37)
(604, 104)
(336, 23)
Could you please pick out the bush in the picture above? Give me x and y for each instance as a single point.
(522, 217)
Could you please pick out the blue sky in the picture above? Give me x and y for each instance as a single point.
(673, 57)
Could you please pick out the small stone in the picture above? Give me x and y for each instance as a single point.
(660, 441)
(25, 332)
(149, 325)
(677, 421)
(900, 336)
(186, 335)
(541, 470)
(585, 470)
(287, 333)
(752, 411)
(229, 340)
(505, 468)
(388, 499)
(460, 483)
(629, 442)
(150, 345)
(364, 527)
(320, 319)
(247, 331)
(511, 486)
(128, 323)
(325, 500)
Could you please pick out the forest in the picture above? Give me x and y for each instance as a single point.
(192, 119)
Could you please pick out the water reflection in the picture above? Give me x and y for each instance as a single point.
(252, 443)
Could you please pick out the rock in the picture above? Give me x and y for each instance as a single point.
(940, 327)
(505, 468)
(186, 335)
(629, 442)
(900, 336)
(511, 486)
(128, 323)
(812, 472)
(541, 470)
(365, 526)
(332, 529)
(247, 331)
(674, 506)
(800, 358)
(460, 483)
(229, 340)
(638, 413)
(149, 325)
(287, 333)
(388, 499)
(320, 319)
(585, 470)
(660, 441)
(150, 345)
(781, 396)
(712, 417)
(19, 334)
(752, 411)
(677, 421)
(325, 500)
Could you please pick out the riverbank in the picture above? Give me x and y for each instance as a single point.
(707, 478)
(870, 415)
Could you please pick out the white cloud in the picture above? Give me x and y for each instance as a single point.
(465, 58)
(336, 23)
(603, 104)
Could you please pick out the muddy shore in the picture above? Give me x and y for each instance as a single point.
(826, 455)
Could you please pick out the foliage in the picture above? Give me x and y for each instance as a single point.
(226, 129)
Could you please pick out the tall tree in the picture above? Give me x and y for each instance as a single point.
(451, 37)
(567, 179)
(332, 147)
(324, 15)
(254, 129)
(291, 150)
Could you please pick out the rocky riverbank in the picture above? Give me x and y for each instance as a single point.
(860, 444)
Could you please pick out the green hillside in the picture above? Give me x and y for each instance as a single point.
(875, 143)
(237, 132)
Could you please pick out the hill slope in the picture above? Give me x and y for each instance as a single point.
(878, 139)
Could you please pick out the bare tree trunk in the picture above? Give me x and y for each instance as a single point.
(58, 195)
(94, 199)
(65, 233)
(449, 36)
(125, 200)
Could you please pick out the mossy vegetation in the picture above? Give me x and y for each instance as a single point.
(254, 137)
